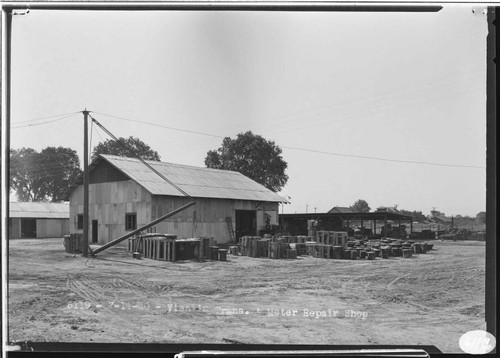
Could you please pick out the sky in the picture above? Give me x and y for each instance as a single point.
(399, 86)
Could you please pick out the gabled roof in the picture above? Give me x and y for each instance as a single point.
(196, 181)
(341, 210)
(39, 210)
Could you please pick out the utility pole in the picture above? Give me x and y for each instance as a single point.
(85, 239)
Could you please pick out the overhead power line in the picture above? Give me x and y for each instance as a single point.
(384, 159)
(160, 125)
(39, 124)
(48, 117)
(309, 150)
(282, 146)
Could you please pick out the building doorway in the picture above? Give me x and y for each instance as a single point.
(94, 231)
(28, 228)
(246, 223)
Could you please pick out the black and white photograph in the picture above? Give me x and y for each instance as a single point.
(246, 175)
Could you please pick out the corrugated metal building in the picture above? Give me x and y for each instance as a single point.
(125, 194)
(38, 220)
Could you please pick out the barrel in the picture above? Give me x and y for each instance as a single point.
(214, 253)
(396, 252)
(223, 255)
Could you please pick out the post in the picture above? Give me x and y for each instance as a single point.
(385, 227)
(85, 242)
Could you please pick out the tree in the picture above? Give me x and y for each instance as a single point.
(130, 147)
(360, 206)
(481, 217)
(26, 175)
(253, 156)
(43, 176)
(61, 168)
(417, 216)
(435, 213)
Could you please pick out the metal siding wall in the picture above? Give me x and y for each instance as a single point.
(210, 216)
(15, 229)
(46, 228)
(109, 202)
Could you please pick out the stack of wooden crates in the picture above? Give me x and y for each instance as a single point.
(166, 247)
(328, 243)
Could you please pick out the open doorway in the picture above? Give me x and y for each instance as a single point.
(246, 223)
(28, 228)
(94, 231)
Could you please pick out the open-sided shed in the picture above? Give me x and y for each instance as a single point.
(38, 220)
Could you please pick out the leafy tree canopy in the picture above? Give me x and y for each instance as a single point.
(253, 156)
(126, 147)
(361, 206)
(43, 176)
(481, 217)
(417, 216)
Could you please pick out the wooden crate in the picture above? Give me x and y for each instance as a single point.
(337, 252)
(277, 250)
(262, 248)
(328, 252)
(301, 248)
(302, 240)
(73, 243)
(310, 247)
(205, 243)
(187, 249)
(135, 244)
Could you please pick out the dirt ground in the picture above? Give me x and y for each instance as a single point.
(429, 299)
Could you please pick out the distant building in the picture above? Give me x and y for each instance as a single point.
(340, 210)
(125, 194)
(38, 220)
(386, 209)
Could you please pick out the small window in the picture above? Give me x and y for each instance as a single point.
(130, 221)
(79, 222)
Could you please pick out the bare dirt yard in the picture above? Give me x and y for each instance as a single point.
(428, 299)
